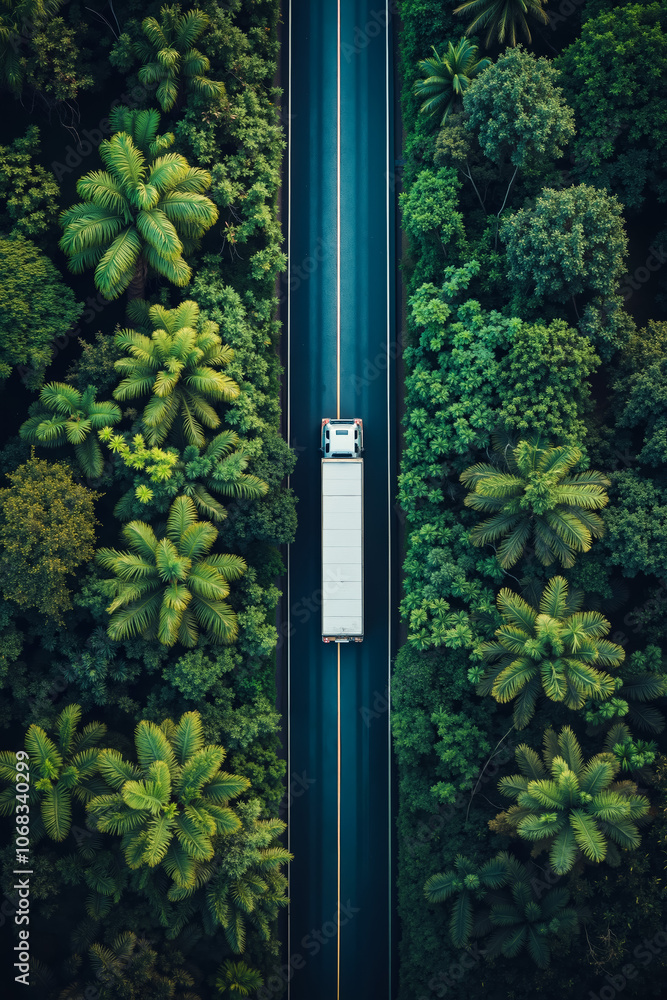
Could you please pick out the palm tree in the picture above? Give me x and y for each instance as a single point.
(447, 77)
(638, 687)
(170, 806)
(573, 808)
(557, 651)
(245, 885)
(219, 467)
(502, 17)
(106, 875)
(144, 211)
(168, 586)
(143, 127)
(519, 918)
(130, 967)
(60, 770)
(238, 979)
(469, 882)
(537, 497)
(632, 755)
(169, 49)
(177, 363)
(63, 414)
(16, 18)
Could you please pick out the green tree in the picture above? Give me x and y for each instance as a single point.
(61, 770)
(38, 308)
(219, 467)
(16, 21)
(251, 331)
(518, 113)
(557, 650)
(503, 17)
(447, 77)
(525, 917)
(95, 365)
(55, 67)
(543, 382)
(621, 137)
(238, 979)
(47, 530)
(640, 390)
(65, 415)
(538, 496)
(451, 388)
(431, 220)
(571, 243)
(170, 807)
(144, 211)
(167, 51)
(468, 882)
(247, 887)
(573, 808)
(169, 586)
(129, 967)
(636, 524)
(29, 191)
(177, 363)
(644, 679)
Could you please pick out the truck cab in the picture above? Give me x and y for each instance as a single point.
(342, 438)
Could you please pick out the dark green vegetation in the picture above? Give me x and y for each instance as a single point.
(528, 697)
(141, 521)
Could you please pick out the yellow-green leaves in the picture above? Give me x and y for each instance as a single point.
(47, 530)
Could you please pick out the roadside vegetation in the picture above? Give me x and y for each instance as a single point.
(143, 505)
(529, 695)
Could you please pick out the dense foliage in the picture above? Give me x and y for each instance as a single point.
(161, 427)
(532, 485)
(38, 309)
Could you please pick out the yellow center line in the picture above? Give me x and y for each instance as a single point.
(339, 774)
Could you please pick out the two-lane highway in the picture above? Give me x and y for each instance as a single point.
(340, 341)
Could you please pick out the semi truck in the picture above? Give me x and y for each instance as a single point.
(342, 530)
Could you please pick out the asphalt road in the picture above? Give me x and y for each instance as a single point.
(357, 298)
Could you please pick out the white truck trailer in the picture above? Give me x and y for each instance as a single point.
(342, 531)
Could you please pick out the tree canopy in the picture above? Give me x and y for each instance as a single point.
(447, 76)
(569, 805)
(503, 18)
(145, 210)
(518, 110)
(169, 586)
(38, 308)
(29, 191)
(47, 530)
(606, 75)
(179, 362)
(572, 242)
(539, 497)
(557, 650)
(543, 382)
